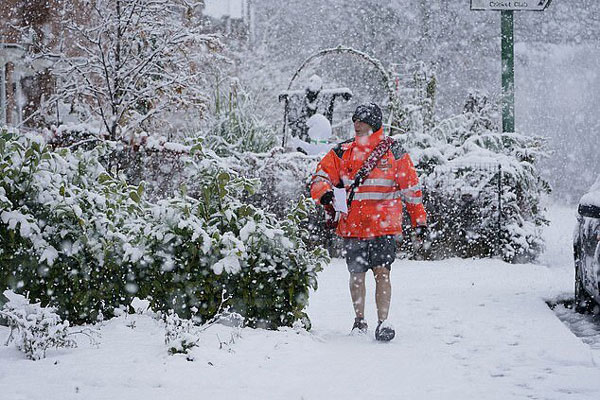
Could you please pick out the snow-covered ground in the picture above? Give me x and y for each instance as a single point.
(466, 329)
(559, 237)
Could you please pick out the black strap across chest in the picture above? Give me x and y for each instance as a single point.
(365, 170)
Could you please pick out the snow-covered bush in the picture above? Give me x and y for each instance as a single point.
(470, 171)
(262, 263)
(414, 101)
(281, 178)
(284, 177)
(86, 242)
(182, 335)
(61, 215)
(233, 125)
(179, 333)
(33, 328)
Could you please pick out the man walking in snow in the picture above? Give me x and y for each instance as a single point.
(377, 175)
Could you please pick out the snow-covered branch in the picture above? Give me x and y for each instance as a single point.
(133, 64)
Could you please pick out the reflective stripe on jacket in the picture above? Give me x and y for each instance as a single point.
(377, 206)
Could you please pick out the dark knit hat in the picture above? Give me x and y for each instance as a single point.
(369, 114)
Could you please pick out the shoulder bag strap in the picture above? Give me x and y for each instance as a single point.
(369, 164)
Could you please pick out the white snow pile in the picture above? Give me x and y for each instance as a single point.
(319, 132)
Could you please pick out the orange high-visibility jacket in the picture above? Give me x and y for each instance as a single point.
(377, 206)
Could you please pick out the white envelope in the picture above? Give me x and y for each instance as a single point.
(339, 200)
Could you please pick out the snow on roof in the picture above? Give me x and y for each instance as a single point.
(592, 198)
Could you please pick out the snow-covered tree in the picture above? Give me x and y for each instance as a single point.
(129, 66)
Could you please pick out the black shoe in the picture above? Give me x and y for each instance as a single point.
(385, 331)
(360, 326)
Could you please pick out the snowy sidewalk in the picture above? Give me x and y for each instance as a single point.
(466, 329)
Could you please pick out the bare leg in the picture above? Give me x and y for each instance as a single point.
(358, 292)
(383, 292)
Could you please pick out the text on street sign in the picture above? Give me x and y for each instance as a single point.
(500, 5)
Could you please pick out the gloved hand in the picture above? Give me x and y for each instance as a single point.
(398, 239)
(327, 198)
(421, 243)
(422, 233)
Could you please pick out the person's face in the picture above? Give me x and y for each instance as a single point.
(362, 128)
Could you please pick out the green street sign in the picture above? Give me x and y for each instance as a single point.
(497, 5)
(506, 9)
(508, 71)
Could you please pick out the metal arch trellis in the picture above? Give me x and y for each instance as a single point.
(389, 84)
(348, 50)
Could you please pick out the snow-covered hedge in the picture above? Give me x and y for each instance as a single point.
(461, 161)
(283, 178)
(82, 240)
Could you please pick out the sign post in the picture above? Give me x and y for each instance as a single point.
(508, 71)
(506, 9)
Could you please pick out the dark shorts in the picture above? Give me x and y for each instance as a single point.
(365, 254)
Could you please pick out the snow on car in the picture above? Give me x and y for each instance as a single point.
(586, 247)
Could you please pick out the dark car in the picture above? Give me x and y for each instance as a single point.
(586, 245)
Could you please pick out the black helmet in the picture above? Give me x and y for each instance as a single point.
(369, 114)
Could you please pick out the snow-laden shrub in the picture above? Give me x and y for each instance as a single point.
(414, 102)
(234, 125)
(33, 328)
(60, 220)
(180, 334)
(470, 171)
(284, 177)
(262, 262)
(80, 239)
